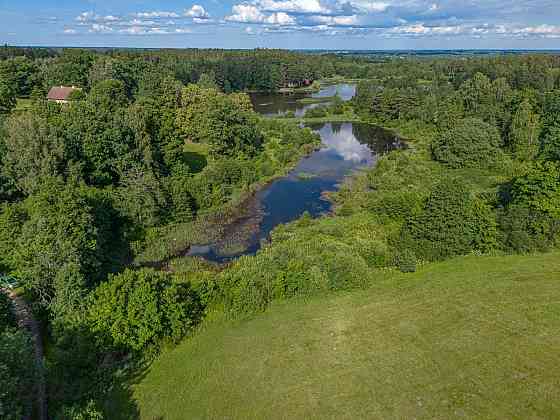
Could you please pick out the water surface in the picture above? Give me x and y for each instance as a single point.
(347, 147)
(275, 104)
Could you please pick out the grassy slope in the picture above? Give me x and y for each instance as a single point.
(473, 337)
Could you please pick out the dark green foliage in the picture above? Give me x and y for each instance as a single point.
(550, 135)
(58, 247)
(471, 144)
(7, 318)
(525, 230)
(531, 220)
(448, 224)
(17, 374)
(139, 309)
(7, 96)
(79, 369)
(405, 261)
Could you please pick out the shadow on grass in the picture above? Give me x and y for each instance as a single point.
(121, 404)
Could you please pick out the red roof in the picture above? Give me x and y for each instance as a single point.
(60, 93)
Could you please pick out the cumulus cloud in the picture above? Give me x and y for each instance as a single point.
(292, 6)
(197, 12)
(384, 18)
(245, 13)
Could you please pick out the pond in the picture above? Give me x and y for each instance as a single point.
(274, 104)
(347, 147)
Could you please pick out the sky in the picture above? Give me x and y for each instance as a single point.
(293, 24)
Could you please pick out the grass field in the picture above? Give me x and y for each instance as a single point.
(474, 337)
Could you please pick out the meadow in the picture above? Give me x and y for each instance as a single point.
(472, 337)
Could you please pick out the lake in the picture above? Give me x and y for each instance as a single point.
(347, 147)
(275, 104)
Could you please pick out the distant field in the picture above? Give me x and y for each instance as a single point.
(475, 337)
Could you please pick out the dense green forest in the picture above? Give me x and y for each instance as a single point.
(159, 150)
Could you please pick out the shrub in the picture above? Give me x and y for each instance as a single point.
(139, 309)
(472, 143)
(450, 223)
(316, 112)
(405, 261)
(525, 230)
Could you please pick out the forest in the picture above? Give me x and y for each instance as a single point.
(156, 151)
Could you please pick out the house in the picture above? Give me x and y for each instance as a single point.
(61, 94)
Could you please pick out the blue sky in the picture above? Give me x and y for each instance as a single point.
(326, 24)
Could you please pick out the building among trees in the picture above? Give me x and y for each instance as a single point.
(61, 94)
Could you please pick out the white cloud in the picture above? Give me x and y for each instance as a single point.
(87, 17)
(197, 11)
(366, 6)
(100, 28)
(292, 6)
(336, 20)
(70, 31)
(246, 13)
(156, 15)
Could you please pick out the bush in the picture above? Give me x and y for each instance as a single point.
(471, 144)
(316, 112)
(450, 223)
(525, 230)
(140, 309)
(406, 261)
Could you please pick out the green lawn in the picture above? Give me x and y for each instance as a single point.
(475, 337)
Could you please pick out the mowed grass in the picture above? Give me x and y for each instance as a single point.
(474, 337)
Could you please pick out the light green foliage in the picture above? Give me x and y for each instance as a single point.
(207, 81)
(34, 151)
(539, 188)
(524, 132)
(472, 143)
(139, 309)
(90, 411)
(225, 122)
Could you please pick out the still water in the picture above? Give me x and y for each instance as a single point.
(274, 104)
(346, 148)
